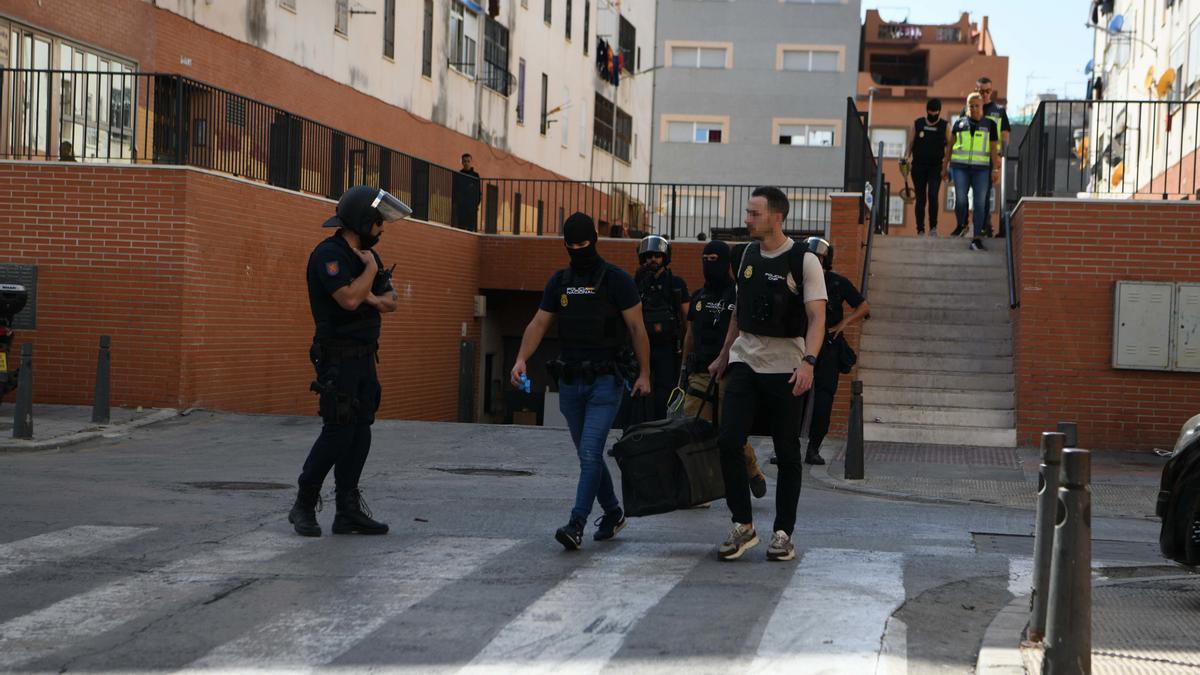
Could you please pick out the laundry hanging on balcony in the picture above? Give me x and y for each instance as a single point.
(609, 62)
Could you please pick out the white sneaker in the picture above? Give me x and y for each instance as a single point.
(741, 539)
(781, 547)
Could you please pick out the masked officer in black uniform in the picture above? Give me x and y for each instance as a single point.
(664, 306)
(926, 152)
(599, 315)
(347, 291)
(825, 373)
(709, 311)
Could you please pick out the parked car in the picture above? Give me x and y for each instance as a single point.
(1179, 498)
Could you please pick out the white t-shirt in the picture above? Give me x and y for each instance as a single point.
(766, 354)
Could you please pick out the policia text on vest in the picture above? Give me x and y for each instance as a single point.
(599, 317)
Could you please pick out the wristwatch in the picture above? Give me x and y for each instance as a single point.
(810, 359)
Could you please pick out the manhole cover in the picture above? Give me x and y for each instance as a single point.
(482, 471)
(237, 485)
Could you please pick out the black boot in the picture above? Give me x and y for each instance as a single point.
(353, 516)
(303, 515)
(813, 456)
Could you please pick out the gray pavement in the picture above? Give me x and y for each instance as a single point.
(166, 546)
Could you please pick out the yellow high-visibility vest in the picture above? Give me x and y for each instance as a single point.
(971, 148)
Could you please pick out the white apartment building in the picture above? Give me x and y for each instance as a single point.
(520, 75)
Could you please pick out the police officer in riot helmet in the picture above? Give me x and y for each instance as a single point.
(833, 355)
(664, 306)
(348, 290)
(604, 347)
(709, 311)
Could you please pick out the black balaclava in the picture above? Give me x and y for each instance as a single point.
(933, 115)
(366, 240)
(716, 272)
(577, 229)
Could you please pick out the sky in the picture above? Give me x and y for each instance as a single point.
(1046, 42)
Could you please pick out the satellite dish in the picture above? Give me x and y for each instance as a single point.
(1091, 65)
(1150, 79)
(1118, 174)
(1117, 23)
(1165, 82)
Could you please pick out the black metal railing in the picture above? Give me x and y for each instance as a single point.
(860, 162)
(625, 209)
(159, 118)
(1111, 148)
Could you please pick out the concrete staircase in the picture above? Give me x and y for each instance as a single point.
(936, 355)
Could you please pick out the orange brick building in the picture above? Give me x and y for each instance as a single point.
(908, 64)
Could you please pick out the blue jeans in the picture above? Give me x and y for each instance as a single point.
(590, 410)
(979, 180)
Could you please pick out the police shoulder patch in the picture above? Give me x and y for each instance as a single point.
(331, 268)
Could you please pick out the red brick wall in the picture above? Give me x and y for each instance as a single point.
(157, 38)
(526, 263)
(110, 255)
(200, 280)
(1070, 255)
(848, 237)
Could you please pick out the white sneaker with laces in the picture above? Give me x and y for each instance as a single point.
(781, 547)
(741, 539)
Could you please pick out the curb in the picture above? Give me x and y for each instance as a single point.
(1000, 652)
(18, 445)
(842, 485)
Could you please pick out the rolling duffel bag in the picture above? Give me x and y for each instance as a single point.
(669, 464)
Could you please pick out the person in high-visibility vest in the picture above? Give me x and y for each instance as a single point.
(996, 113)
(974, 164)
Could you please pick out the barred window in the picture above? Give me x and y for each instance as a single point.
(602, 126)
(495, 57)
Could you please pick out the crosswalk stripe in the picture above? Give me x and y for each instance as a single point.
(831, 615)
(45, 631)
(315, 636)
(73, 542)
(578, 625)
(1020, 575)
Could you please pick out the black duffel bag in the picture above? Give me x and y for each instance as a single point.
(669, 464)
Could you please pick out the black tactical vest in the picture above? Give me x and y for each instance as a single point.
(588, 322)
(660, 307)
(713, 310)
(765, 306)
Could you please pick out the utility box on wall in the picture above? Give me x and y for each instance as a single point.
(1187, 327)
(1156, 326)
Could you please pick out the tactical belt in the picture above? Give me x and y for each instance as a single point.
(587, 371)
(340, 350)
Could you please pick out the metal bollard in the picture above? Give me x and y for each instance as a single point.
(854, 434)
(1071, 431)
(1043, 540)
(1068, 645)
(100, 407)
(23, 415)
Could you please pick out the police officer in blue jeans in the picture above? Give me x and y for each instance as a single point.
(599, 314)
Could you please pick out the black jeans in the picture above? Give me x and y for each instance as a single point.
(343, 447)
(745, 393)
(927, 181)
(825, 386)
(664, 375)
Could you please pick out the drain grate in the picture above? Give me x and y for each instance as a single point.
(237, 485)
(482, 471)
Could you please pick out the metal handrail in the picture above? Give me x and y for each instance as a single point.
(877, 202)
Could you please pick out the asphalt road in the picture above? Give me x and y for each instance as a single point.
(143, 552)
